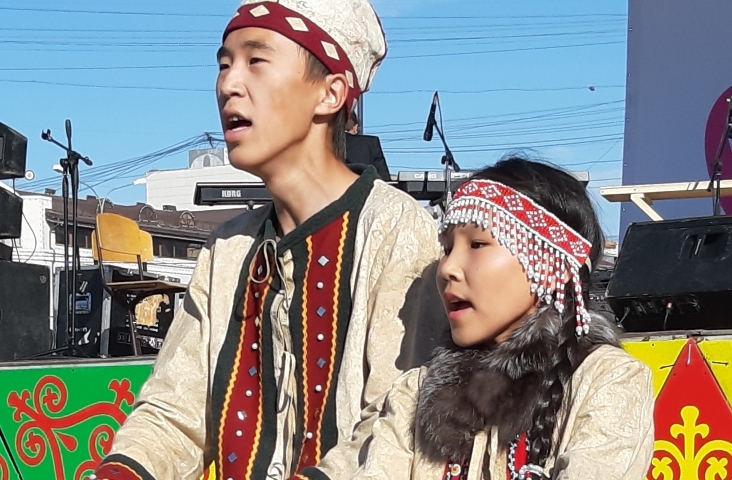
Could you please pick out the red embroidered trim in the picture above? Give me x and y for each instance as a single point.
(551, 230)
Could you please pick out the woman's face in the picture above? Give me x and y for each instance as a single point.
(484, 287)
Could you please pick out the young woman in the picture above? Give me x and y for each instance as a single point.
(532, 384)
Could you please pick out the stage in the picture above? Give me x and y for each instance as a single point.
(59, 415)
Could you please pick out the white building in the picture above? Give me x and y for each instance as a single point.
(177, 236)
(177, 187)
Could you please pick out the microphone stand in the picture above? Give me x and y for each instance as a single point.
(70, 166)
(448, 160)
(717, 174)
(450, 166)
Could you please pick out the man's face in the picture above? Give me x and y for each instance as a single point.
(265, 101)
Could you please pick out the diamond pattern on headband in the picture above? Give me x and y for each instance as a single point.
(536, 219)
(330, 50)
(578, 248)
(349, 77)
(513, 203)
(557, 234)
(259, 11)
(297, 24)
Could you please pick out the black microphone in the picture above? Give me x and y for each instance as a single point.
(429, 129)
(68, 129)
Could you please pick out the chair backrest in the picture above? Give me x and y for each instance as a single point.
(146, 246)
(119, 239)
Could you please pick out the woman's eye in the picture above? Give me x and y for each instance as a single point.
(477, 244)
(223, 66)
(255, 60)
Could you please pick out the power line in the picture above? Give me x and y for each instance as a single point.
(126, 87)
(494, 90)
(118, 67)
(523, 49)
(214, 15)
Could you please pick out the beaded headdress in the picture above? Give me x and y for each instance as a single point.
(549, 250)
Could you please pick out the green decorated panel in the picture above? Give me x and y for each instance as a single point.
(59, 418)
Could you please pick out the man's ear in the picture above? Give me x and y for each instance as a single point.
(334, 94)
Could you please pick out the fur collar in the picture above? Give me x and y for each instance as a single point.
(466, 390)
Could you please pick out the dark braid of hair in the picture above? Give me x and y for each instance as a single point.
(565, 197)
(552, 394)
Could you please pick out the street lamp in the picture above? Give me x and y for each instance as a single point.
(59, 169)
(140, 181)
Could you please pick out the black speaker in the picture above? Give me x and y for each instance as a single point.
(13, 149)
(674, 275)
(11, 214)
(151, 333)
(25, 293)
(102, 323)
(96, 311)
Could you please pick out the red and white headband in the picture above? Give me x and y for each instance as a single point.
(548, 249)
(345, 35)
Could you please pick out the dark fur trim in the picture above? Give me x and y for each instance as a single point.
(467, 390)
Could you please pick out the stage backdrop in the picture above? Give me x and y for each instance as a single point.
(679, 74)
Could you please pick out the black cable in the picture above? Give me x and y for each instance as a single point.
(35, 240)
(10, 454)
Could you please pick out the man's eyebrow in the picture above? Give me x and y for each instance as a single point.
(222, 52)
(258, 45)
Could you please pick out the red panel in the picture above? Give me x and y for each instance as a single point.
(693, 423)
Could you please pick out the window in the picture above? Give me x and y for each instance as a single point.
(169, 248)
(83, 236)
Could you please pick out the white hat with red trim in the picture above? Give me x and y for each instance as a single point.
(345, 35)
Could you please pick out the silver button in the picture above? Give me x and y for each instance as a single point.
(320, 285)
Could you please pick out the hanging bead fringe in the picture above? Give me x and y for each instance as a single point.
(546, 267)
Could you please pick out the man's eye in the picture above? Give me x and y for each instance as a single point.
(255, 60)
(476, 244)
(223, 66)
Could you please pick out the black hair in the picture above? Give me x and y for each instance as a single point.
(316, 71)
(566, 197)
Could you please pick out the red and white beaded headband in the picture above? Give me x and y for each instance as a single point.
(547, 248)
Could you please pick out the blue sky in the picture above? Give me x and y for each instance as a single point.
(511, 75)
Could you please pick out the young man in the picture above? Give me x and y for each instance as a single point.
(302, 313)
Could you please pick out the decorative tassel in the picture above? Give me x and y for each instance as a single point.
(547, 248)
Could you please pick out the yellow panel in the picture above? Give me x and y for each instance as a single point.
(659, 355)
(718, 354)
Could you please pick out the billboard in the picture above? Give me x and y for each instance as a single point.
(679, 76)
(210, 157)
